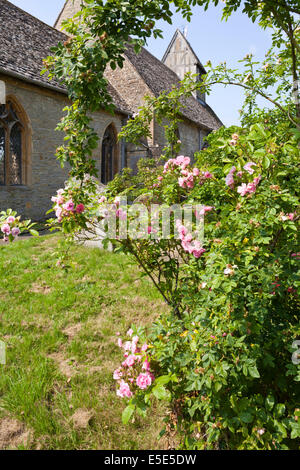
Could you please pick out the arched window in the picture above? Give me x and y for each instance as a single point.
(12, 146)
(109, 160)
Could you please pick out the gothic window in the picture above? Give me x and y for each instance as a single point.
(109, 160)
(11, 146)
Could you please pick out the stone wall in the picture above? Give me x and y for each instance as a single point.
(44, 110)
(189, 135)
(70, 8)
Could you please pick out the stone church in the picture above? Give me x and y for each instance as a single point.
(31, 106)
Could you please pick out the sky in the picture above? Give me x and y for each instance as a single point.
(211, 39)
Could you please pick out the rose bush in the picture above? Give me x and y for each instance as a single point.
(223, 357)
(226, 360)
(11, 226)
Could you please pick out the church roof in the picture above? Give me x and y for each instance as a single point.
(159, 78)
(24, 42)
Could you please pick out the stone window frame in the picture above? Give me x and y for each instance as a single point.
(26, 145)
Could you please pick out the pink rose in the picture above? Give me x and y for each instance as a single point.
(80, 209)
(243, 189)
(248, 167)
(69, 206)
(146, 365)
(129, 361)
(15, 231)
(127, 346)
(229, 178)
(144, 381)
(118, 374)
(10, 220)
(5, 229)
(124, 390)
(198, 252)
(121, 214)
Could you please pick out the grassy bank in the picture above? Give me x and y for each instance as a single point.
(56, 390)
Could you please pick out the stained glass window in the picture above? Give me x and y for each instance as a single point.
(11, 130)
(108, 163)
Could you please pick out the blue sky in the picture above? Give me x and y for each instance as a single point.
(211, 38)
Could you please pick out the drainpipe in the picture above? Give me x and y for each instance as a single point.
(123, 147)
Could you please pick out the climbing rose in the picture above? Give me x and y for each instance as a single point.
(229, 178)
(69, 206)
(144, 381)
(15, 231)
(80, 209)
(118, 374)
(124, 390)
(129, 361)
(5, 229)
(248, 167)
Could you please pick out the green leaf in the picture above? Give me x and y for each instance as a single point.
(270, 401)
(161, 392)
(34, 233)
(254, 372)
(266, 162)
(127, 413)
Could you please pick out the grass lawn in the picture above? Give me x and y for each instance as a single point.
(56, 390)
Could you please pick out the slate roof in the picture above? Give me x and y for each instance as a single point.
(160, 78)
(25, 41)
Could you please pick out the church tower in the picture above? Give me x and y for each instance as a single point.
(181, 58)
(69, 9)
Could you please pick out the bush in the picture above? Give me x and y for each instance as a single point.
(225, 353)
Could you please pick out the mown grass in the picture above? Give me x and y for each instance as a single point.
(59, 329)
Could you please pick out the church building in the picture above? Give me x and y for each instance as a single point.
(31, 106)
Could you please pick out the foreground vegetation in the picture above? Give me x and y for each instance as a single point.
(56, 390)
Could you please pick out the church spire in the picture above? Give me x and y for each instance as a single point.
(70, 8)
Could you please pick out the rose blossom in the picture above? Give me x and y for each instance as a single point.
(243, 189)
(80, 209)
(144, 381)
(248, 167)
(121, 214)
(15, 231)
(207, 175)
(5, 229)
(129, 361)
(229, 178)
(69, 206)
(118, 374)
(146, 365)
(124, 390)
(10, 220)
